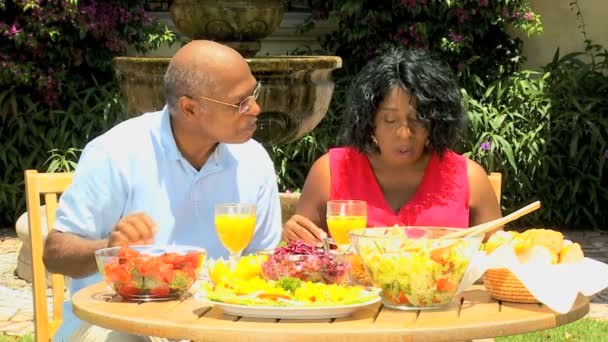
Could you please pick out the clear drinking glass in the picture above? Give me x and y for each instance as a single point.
(235, 223)
(344, 216)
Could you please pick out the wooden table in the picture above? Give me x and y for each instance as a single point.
(473, 315)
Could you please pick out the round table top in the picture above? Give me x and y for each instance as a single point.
(472, 315)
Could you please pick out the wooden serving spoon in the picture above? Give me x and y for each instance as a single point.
(489, 226)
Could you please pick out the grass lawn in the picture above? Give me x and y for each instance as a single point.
(581, 330)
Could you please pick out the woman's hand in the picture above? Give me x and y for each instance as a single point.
(300, 228)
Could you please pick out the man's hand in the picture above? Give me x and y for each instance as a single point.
(300, 228)
(134, 229)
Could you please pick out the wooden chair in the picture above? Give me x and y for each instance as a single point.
(50, 186)
(496, 182)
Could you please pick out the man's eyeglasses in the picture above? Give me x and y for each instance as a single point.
(244, 105)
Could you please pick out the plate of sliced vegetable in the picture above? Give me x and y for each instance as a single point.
(287, 298)
(292, 312)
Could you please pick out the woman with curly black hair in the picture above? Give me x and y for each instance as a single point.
(402, 115)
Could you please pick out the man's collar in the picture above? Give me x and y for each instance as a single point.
(170, 146)
(167, 137)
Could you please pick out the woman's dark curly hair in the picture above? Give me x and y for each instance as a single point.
(430, 81)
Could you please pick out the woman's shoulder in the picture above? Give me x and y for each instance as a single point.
(347, 153)
(450, 161)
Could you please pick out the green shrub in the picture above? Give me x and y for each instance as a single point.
(546, 131)
(470, 34)
(575, 189)
(52, 53)
(45, 45)
(508, 132)
(29, 135)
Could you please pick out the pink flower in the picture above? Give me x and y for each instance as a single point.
(529, 16)
(456, 38)
(483, 3)
(14, 30)
(408, 3)
(461, 14)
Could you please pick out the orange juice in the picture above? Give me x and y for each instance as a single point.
(339, 226)
(235, 231)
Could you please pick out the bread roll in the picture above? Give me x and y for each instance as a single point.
(538, 254)
(571, 254)
(551, 239)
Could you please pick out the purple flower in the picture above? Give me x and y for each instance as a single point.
(606, 153)
(486, 145)
(288, 191)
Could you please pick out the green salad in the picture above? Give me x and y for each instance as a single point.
(417, 273)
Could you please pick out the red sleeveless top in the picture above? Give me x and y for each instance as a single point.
(442, 199)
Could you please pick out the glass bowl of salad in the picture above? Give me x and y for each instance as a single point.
(149, 273)
(306, 262)
(415, 267)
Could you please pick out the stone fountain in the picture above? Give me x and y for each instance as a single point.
(296, 90)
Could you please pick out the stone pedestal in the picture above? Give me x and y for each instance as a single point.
(24, 260)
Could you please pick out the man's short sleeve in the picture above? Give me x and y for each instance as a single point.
(94, 201)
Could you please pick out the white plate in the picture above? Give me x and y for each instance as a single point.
(287, 312)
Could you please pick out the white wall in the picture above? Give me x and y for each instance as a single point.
(561, 29)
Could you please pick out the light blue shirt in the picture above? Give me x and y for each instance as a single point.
(137, 167)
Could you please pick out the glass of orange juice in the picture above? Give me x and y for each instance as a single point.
(344, 216)
(235, 223)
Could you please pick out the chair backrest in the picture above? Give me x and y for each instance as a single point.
(289, 201)
(49, 186)
(496, 182)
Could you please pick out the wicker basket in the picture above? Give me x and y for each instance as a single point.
(503, 285)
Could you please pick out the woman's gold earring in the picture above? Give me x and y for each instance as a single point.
(374, 140)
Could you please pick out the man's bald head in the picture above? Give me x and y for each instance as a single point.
(201, 67)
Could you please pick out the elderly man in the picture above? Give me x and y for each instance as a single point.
(155, 179)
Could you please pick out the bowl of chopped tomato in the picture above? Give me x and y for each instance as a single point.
(147, 273)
